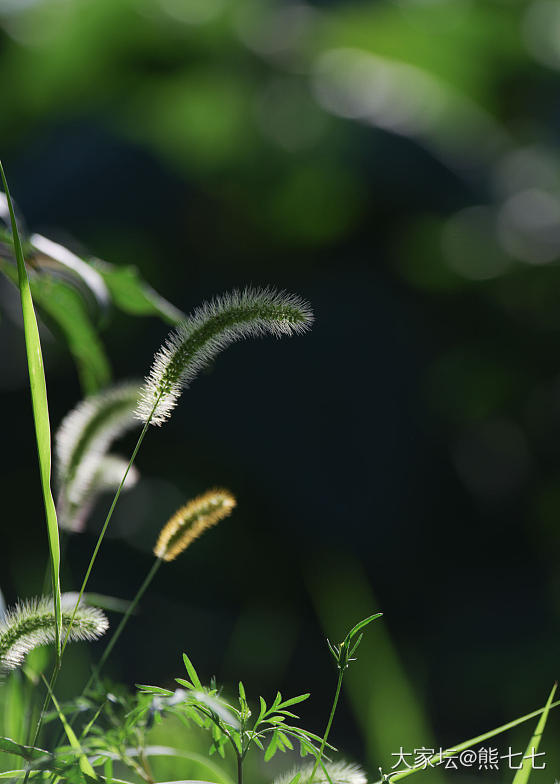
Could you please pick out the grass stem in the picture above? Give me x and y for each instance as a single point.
(118, 631)
(328, 727)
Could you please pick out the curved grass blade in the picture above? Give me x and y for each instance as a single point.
(473, 742)
(522, 775)
(40, 412)
(84, 763)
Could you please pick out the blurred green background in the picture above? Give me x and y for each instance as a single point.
(398, 164)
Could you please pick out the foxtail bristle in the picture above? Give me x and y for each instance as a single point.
(211, 328)
(191, 520)
(82, 442)
(332, 772)
(32, 623)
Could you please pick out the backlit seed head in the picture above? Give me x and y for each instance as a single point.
(211, 328)
(82, 442)
(338, 773)
(32, 623)
(191, 520)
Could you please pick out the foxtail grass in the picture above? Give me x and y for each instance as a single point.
(333, 772)
(185, 526)
(210, 329)
(191, 521)
(33, 623)
(81, 446)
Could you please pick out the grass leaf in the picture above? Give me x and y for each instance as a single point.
(458, 747)
(84, 763)
(40, 412)
(522, 775)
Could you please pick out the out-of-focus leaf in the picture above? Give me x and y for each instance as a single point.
(62, 263)
(63, 309)
(132, 295)
(27, 752)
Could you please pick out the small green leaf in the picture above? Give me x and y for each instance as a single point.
(359, 626)
(285, 740)
(192, 672)
(154, 690)
(294, 700)
(271, 749)
(183, 682)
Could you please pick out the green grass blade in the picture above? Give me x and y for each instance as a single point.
(522, 775)
(84, 763)
(474, 741)
(40, 412)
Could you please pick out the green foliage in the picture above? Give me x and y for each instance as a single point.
(232, 724)
(344, 652)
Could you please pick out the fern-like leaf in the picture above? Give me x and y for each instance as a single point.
(211, 328)
(32, 623)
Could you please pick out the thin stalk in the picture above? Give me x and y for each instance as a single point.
(328, 727)
(124, 620)
(118, 631)
(102, 532)
(58, 662)
(239, 769)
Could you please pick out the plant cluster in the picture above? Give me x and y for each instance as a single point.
(104, 732)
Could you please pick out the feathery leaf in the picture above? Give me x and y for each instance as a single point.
(210, 329)
(32, 623)
(191, 520)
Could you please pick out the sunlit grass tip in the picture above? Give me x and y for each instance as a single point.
(32, 623)
(191, 520)
(207, 331)
(82, 441)
(338, 773)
